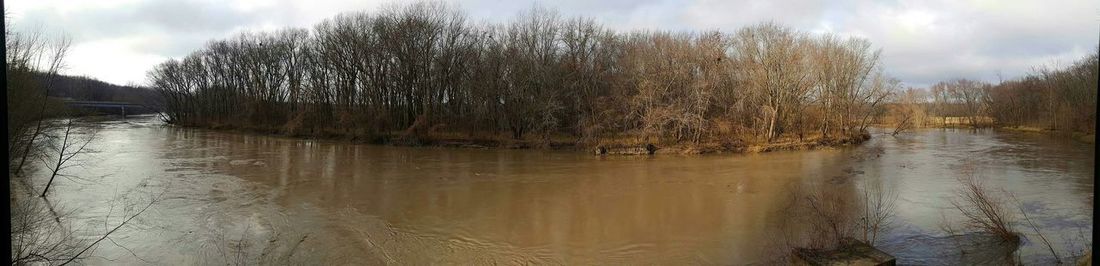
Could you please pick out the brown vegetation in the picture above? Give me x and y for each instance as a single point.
(1047, 100)
(984, 210)
(1052, 99)
(984, 235)
(825, 217)
(986, 232)
(409, 72)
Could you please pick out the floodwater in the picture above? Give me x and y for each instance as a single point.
(224, 197)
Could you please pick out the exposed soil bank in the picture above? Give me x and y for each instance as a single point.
(607, 146)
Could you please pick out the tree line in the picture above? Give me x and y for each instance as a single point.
(411, 71)
(1056, 99)
(89, 89)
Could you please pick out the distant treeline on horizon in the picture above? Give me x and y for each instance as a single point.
(89, 89)
(423, 68)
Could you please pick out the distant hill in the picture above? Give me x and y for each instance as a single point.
(89, 89)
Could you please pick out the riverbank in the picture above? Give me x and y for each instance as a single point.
(408, 205)
(784, 143)
(1078, 136)
(623, 145)
(1089, 138)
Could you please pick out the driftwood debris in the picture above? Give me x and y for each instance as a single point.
(648, 149)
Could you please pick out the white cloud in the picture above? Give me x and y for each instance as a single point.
(111, 60)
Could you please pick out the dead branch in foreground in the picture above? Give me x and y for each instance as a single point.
(982, 210)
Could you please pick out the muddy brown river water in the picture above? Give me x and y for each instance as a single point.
(227, 197)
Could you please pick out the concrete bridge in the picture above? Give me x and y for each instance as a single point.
(118, 108)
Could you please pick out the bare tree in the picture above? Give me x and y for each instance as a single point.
(880, 88)
(843, 71)
(983, 210)
(878, 211)
(908, 110)
(410, 71)
(72, 140)
(970, 95)
(28, 54)
(776, 71)
(1049, 98)
(1034, 227)
(39, 234)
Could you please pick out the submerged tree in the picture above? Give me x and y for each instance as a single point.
(38, 131)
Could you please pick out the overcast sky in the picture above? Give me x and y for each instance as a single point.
(922, 41)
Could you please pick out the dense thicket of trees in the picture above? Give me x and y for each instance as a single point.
(962, 98)
(1050, 99)
(1056, 99)
(414, 70)
(90, 89)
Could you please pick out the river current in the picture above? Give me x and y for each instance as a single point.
(225, 197)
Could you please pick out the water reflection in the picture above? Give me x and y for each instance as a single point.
(362, 203)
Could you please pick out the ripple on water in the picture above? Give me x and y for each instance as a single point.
(389, 205)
